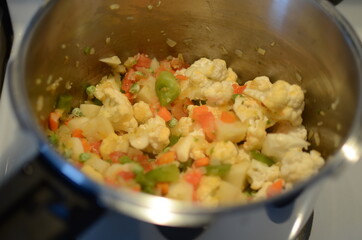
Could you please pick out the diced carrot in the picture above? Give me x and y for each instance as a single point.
(95, 147)
(163, 187)
(238, 89)
(116, 155)
(179, 108)
(165, 114)
(128, 81)
(193, 177)
(228, 117)
(126, 175)
(143, 62)
(166, 157)
(206, 119)
(181, 77)
(276, 188)
(143, 160)
(77, 133)
(200, 162)
(85, 144)
(129, 96)
(54, 120)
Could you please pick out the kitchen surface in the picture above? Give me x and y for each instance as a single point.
(337, 214)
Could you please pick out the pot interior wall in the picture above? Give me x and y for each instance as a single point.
(302, 45)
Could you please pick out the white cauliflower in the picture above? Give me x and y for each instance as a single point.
(113, 143)
(153, 133)
(183, 127)
(259, 173)
(206, 190)
(181, 190)
(199, 147)
(142, 111)
(286, 128)
(204, 70)
(209, 80)
(106, 83)
(297, 165)
(185, 144)
(276, 145)
(223, 152)
(284, 100)
(255, 135)
(218, 93)
(117, 109)
(249, 110)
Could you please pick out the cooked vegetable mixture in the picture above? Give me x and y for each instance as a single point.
(187, 132)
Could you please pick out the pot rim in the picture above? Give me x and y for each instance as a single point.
(139, 205)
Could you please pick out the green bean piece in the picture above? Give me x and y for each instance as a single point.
(166, 173)
(64, 102)
(218, 170)
(261, 158)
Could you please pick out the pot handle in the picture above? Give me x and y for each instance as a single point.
(38, 203)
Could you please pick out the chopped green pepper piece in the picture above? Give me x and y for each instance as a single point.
(147, 185)
(125, 159)
(167, 88)
(137, 168)
(90, 90)
(234, 96)
(86, 50)
(218, 170)
(64, 102)
(166, 173)
(184, 165)
(84, 157)
(172, 123)
(77, 112)
(97, 102)
(135, 88)
(173, 140)
(53, 138)
(261, 158)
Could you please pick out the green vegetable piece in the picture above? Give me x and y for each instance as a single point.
(167, 88)
(125, 159)
(90, 90)
(135, 88)
(234, 96)
(97, 102)
(172, 123)
(218, 170)
(64, 102)
(166, 173)
(184, 165)
(173, 140)
(53, 138)
(261, 158)
(83, 157)
(77, 112)
(137, 168)
(86, 50)
(147, 185)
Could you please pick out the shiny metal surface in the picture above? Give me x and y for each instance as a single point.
(320, 52)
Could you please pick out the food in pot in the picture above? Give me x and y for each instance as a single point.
(187, 132)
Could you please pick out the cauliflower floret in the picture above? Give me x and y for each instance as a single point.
(142, 111)
(205, 69)
(277, 144)
(209, 80)
(297, 165)
(105, 83)
(284, 100)
(218, 93)
(259, 173)
(183, 127)
(199, 147)
(223, 152)
(255, 135)
(117, 109)
(248, 110)
(181, 190)
(115, 63)
(286, 128)
(206, 190)
(153, 133)
(113, 143)
(185, 144)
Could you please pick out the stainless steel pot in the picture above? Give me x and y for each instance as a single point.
(302, 41)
